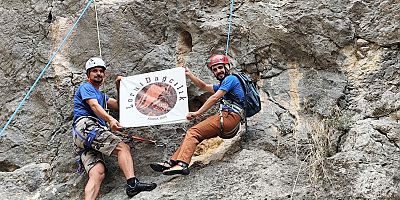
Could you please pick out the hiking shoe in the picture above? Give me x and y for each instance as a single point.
(160, 167)
(139, 187)
(180, 168)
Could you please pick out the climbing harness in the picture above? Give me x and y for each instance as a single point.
(239, 109)
(235, 107)
(45, 68)
(90, 136)
(87, 143)
(229, 27)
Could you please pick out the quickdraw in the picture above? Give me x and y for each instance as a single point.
(145, 140)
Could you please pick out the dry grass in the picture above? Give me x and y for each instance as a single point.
(208, 145)
(321, 137)
(321, 133)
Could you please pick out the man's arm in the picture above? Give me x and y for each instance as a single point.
(198, 82)
(99, 111)
(113, 104)
(213, 99)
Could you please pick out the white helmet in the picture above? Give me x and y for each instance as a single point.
(95, 62)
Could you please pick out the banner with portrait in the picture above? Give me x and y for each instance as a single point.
(153, 98)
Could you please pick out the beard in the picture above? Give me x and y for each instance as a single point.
(98, 79)
(220, 77)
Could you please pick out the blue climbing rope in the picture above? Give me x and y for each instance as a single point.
(45, 68)
(229, 27)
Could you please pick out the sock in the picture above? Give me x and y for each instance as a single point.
(173, 162)
(132, 181)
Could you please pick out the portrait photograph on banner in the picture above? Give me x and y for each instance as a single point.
(153, 98)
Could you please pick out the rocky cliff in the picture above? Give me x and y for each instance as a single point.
(328, 72)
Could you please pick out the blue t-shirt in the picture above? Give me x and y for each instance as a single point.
(234, 91)
(81, 108)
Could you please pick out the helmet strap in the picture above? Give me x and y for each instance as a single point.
(227, 67)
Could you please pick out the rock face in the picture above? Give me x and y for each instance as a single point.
(328, 73)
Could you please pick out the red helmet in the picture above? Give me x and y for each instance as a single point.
(218, 59)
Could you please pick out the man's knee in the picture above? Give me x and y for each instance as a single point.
(98, 172)
(121, 147)
(194, 133)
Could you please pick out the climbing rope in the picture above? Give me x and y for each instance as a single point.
(100, 55)
(98, 29)
(229, 27)
(45, 68)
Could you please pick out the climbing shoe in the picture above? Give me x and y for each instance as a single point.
(137, 186)
(180, 168)
(160, 167)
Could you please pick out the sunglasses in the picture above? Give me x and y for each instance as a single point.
(215, 69)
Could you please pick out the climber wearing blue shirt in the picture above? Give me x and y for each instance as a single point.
(93, 138)
(224, 124)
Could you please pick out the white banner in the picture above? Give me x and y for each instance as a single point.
(153, 98)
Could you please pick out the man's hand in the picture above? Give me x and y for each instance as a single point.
(117, 81)
(192, 115)
(115, 125)
(187, 71)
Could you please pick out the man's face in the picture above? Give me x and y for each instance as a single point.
(219, 71)
(96, 75)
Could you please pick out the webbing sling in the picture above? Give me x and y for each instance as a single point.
(87, 142)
